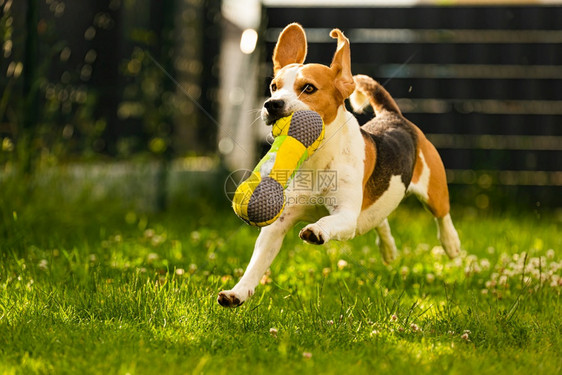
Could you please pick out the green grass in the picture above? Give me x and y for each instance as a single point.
(91, 287)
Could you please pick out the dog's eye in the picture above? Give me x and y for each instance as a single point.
(273, 87)
(309, 89)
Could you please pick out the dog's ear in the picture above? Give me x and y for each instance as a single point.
(290, 48)
(341, 65)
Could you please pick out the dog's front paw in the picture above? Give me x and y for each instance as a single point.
(229, 298)
(314, 234)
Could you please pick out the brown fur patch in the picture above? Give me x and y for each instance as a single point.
(327, 99)
(291, 47)
(379, 98)
(437, 190)
(370, 161)
(418, 167)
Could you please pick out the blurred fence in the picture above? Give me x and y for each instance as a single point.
(87, 77)
(483, 82)
(115, 78)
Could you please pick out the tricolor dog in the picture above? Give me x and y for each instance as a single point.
(376, 165)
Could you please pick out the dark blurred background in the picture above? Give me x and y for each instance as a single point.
(170, 90)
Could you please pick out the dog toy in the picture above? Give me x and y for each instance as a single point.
(260, 199)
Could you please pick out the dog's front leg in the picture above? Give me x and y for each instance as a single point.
(344, 206)
(266, 249)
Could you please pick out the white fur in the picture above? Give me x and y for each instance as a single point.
(385, 241)
(343, 147)
(387, 202)
(287, 92)
(448, 236)
(358, 101)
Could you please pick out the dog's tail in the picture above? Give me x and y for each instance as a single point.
(368, 91)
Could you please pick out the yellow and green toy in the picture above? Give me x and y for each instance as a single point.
(260, 199)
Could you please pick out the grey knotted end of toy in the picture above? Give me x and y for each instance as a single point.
(266, 201)
(306, 127)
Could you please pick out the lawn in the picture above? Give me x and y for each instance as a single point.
(96, 287)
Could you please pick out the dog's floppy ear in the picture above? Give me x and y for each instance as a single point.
(290, 48)
(341, 65)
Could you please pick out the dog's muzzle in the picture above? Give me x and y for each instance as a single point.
(274, 110)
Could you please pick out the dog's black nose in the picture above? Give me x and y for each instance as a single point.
(274, 106)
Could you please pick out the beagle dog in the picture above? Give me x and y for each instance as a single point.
(373, 167)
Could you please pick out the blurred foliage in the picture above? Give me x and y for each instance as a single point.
(101, 86)
(146, 99)
(66, 120)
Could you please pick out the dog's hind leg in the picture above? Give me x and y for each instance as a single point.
(448, 235)
(429, 185)
(385, 242)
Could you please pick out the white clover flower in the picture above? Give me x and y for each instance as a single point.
(192, 268)
(157, 240)
(536, 273)
(342, 264)
(504, 258)
(490, 284)
(430, 277)
(43, 264)
(503, 280)
(437, 251)
(535, 261)
(273, 332)
(195, 236)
